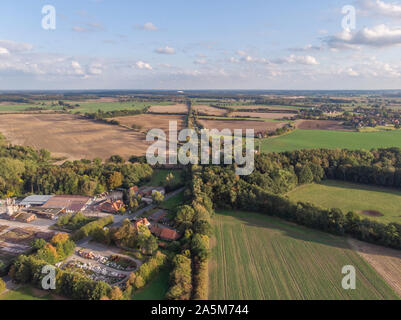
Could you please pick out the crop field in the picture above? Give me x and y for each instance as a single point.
(242, 124)
(71, 136)
(330, 139)
(265, 115)
(147, 122)
(86, 106)
(320, 124)
(380, 204)
(176, 108)
(208, 110)
(259, 257)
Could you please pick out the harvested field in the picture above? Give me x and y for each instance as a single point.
(210, 111)
(265, 258)
(151, 121)
(264, 115)
(320, 125)
(385, 261)
(72, 136)
(242, 124)
(178, 108)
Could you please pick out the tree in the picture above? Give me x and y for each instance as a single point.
(116, 293)
(115, 180)
(2, 285)
(157, 197)
(185, 216)
(305, 175)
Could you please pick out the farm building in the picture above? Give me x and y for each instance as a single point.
(23, 217)
(35, 200)
(69, 203)
(164, 233)
(110, 206)
(46, 213)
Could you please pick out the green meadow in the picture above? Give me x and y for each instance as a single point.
(352, 197)
(311, 139)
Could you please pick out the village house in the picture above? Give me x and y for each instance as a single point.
(164, 233)
(110, 206)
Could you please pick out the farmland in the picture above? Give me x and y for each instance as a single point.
(85, 106)
(71, 136)
(177, 108)
(309, 139)
(147, 122)
(260, 257)
(352, 197)
(241, 124)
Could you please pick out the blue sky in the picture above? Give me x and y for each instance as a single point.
(177, 44)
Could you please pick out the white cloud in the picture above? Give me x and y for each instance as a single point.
(13, 46)
(143, 65)
(148, 26)
(4, 51)
(165, 50)
(293, 59)
(200, 61)
(378, 36)
(378, 7)
(77, 68)
(95, 69)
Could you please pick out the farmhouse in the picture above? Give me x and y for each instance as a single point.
(164, 233)
(110, 206)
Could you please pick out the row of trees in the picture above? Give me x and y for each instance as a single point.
(24, 170)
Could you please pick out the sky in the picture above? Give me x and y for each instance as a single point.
(187, 44)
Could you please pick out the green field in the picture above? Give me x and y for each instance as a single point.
(159, 177)
(174, 202)
(311, 139)
(84, 107)
(352, 197)
(27, 293)
(156, 290)
(259, 257)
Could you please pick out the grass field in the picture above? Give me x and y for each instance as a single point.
(260, 257)
(310, 139)
(352, 197)
(26, 293)
(156, 290)
(159, 177)
(174, 202)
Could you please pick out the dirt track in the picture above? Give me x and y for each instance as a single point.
(387, 262)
